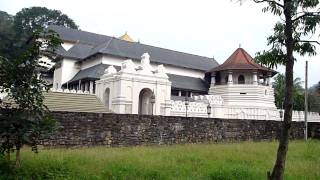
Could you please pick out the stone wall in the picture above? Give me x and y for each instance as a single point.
(314, 130)
(91, 129)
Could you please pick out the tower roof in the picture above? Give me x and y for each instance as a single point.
(240, 60)
(126, 37)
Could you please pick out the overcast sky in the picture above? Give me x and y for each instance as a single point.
(212, 28)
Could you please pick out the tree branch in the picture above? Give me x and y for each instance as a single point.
(306, 14)
(317, 42)
(269, 1)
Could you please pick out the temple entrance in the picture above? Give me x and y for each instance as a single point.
(145, 106)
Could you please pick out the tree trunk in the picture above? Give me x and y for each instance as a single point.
(18, 158)
(279, 167)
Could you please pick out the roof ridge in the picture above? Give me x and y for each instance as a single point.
(249, 59)
(176, 51)
(95, 51)
(70, 29)
(252, 62)
(107, 45)
(136, 42)
(173, 57)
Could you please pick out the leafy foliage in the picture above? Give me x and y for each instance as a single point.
(314, 98)
(6, 34)
(29, 20)
(304, 24)
(16, 30)
(299, 20)
(25, 120)
(298, 92)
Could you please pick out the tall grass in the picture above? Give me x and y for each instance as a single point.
(246, 160)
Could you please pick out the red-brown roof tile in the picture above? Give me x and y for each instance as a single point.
(240, 60)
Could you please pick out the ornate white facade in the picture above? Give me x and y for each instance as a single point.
(132, 78)
(129, 91)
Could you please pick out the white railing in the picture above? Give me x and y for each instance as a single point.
(70, 91)
(311, 117)
(199, 109)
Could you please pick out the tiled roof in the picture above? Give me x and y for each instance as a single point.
(188, 83)
(99, 44)
(240, 60)
(91, 73)
(79, 51)
(178, 82)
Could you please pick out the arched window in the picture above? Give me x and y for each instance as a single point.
(241, 79)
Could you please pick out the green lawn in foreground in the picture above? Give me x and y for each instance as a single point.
(246, 160)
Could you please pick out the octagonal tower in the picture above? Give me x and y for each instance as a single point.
(242, 82)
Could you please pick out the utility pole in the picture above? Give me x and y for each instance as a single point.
(306, 103)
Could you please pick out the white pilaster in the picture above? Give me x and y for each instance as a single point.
(91, 87)
(213, 79)
(230, 78)
(269, 80)
(255, 78)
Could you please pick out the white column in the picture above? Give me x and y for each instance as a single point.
(230, 78)
(86, 86)
(213, 79)
(255, 78)
(179, 93)
(79, 85)
(91, 87)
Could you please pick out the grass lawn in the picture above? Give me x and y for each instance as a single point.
(246, 160)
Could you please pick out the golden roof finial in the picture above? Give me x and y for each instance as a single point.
(126, 37)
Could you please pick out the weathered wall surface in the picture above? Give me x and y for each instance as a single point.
(91, 129)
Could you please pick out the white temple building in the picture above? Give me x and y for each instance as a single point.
(129, 77)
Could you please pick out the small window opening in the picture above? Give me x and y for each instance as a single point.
(241, 79)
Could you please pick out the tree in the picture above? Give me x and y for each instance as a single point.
(314, 98)
(299, 20)
(6, 33)
(25, 120)
(16, 30)
(298, 92)
(29, 20)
